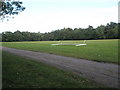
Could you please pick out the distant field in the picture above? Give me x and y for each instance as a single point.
(99, 50)
(19, 72)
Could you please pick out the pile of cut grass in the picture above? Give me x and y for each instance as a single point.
(19, 72)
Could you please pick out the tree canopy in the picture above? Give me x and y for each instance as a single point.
(109, 31)
(8, 8)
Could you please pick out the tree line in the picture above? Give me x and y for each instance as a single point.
(109, 31)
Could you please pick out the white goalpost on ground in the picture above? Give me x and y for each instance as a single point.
(60, 43)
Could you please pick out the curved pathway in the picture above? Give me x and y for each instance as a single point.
(103, 73)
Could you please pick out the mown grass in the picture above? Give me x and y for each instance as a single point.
(0, 67)
(19, 72)
(0, 43)
(99, 50)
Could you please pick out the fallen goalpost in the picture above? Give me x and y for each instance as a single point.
(83, 44)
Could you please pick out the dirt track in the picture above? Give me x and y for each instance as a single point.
(103, 73)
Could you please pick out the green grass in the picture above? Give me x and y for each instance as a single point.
(19, 72)
(99, 50)
(0, 43)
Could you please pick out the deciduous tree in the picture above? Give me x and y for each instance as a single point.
(8, 8)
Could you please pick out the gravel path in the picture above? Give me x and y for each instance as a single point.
(103, 73)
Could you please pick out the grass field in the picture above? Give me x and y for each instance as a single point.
(99, 50)
(19, 72)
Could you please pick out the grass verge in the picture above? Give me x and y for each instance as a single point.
(19, 72)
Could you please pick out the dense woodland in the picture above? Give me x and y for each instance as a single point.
(109, 31)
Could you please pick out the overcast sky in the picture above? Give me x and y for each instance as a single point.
(47, 15)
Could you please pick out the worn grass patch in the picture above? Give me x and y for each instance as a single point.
(99, 50)
(19, 72)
